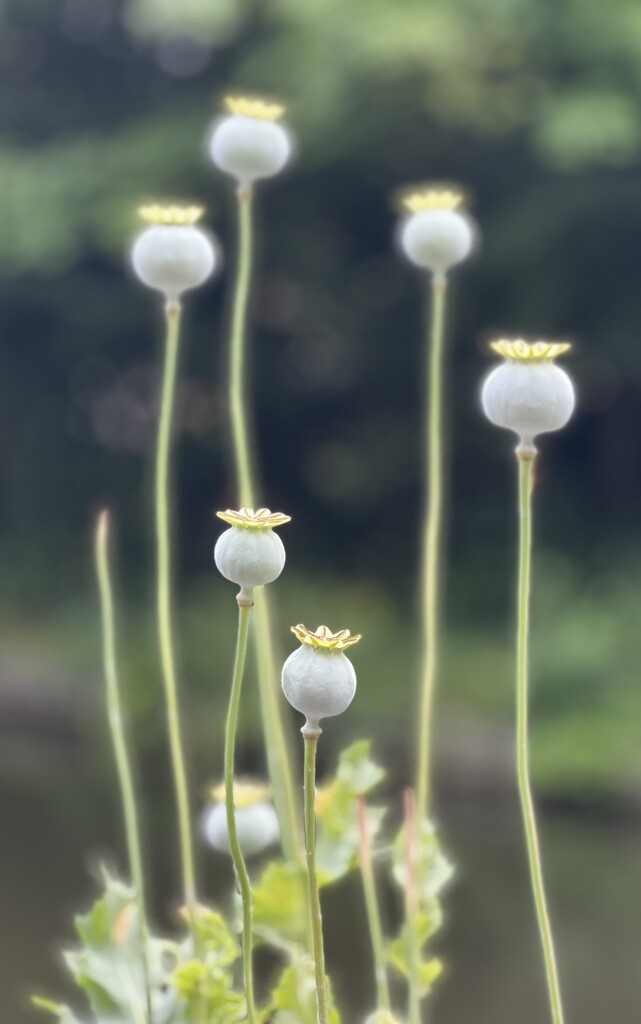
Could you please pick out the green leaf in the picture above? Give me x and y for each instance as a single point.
(356, 769)
(108, 922)
(433, 869)
(411, 940)
(207, 990)
(220, 946)
(337, 832)
(280, 905)
(294, 998)
(63, 1013)
(108, 966)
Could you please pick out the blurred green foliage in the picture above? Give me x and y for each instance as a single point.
(537, 109)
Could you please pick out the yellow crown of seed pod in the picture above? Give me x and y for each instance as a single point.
(262, 519)
(416, 198)
(523, 351)
(323, 638)
(155, 213)
(254, 106)
(247, 792)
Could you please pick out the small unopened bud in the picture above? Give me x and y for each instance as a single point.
(249, 553)
(318, 679)
(528, 393)
(173, 254)
(436, 234)
(249, 142)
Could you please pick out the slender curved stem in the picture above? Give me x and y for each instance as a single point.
(244, 614)
(123, 765)
(278, 755)
(245, 475)
(314, 907)
(164, 610)
(526, 462)
(373, 911)
(431, 545)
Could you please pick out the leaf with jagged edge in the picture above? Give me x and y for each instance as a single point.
(220, 947)
(204, 985)
(279, 903)
(293, 1000)
(337, 831)
(413, 936)
(108, 966)
(208, 990)
(432, 868)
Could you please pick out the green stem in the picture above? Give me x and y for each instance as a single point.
(526, 462)
(237, 377)
(278, 755)
(431, 545)
(373, 912)
(164, 610)
(123, 765)
(244, 614)
(314, 907)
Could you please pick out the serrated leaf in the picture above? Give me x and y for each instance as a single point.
(109, 964)
(294, 998)
(433, 869)
(337, 832)
(209, 991)
(413, 937)
(279, 901)
(104, 925)
(357, 770)
(219, 944)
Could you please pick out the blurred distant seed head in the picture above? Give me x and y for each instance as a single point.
(249, 553)
(318, 679)
(249, 142)
(256, 820)
(436, 233)
(173, 254)
(528, 393)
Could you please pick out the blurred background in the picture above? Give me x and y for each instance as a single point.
(536, 109)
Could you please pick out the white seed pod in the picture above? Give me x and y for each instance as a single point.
(176, 255)
(318, 679)
(249, 553)
(437, 239)
(256, 825)
(249, 143)
(528, 393)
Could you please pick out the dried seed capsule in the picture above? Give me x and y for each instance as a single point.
(318, 679)
(250, 143)
(528, 393)
(173, 254)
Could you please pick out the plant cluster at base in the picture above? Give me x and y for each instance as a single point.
(131, 974)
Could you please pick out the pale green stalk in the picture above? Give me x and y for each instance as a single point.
(164, 610)
(313, 902)
(244, 614)
(373, 912)
(123, 766)
(278, 755)
(431, 546)
(526, 463)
